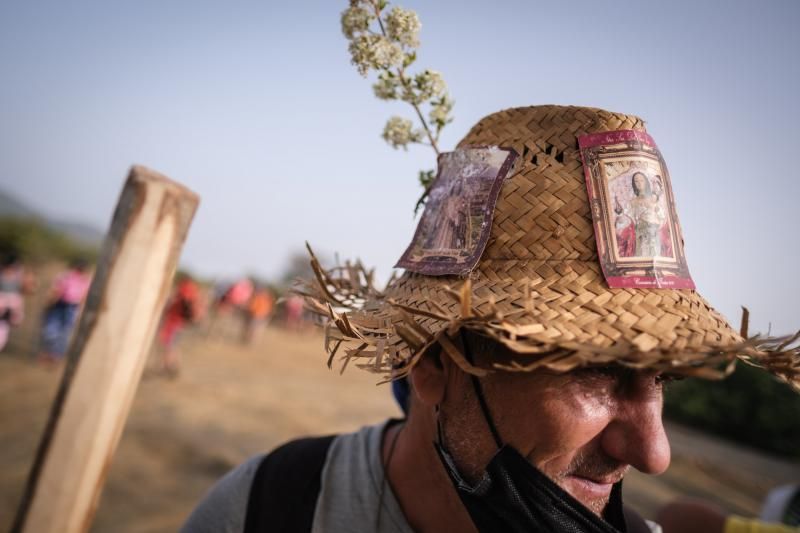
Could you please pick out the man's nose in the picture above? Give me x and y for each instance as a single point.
(636, 435)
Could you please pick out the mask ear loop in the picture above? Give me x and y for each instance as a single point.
(476, 385)
(439, 435)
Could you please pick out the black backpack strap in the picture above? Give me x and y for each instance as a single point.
(285, 488)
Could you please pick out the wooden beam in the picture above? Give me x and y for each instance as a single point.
(107, 353)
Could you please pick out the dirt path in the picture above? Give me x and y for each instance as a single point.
(231, 402)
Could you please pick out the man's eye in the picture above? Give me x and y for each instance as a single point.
(611, 371)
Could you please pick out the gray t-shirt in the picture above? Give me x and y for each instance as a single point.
(349, 500)
(354, 495)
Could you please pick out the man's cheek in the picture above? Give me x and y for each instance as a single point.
(563, 435)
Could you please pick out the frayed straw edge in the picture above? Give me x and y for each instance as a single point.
(350, 287)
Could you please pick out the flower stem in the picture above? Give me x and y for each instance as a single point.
(405, 82)
(424, 124)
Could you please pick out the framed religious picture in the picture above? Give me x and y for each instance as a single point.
(453, 230)
(639, 241)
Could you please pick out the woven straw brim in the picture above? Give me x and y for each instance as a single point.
(559, 317)
(567, 303)
(537, 288)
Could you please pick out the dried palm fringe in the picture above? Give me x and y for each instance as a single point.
(346, 298)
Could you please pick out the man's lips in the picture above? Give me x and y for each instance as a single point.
(584, 488)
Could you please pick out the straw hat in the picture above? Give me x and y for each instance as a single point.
(538, 287)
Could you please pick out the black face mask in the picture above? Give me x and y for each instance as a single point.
(514, 496)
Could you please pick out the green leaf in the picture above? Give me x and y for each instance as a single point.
(426, 177)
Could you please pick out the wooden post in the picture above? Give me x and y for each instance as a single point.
(107, 354)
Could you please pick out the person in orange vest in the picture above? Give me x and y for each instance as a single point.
(259, 310)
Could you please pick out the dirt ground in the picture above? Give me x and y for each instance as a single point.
(230, 402)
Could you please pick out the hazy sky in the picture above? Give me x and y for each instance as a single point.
(255, 106)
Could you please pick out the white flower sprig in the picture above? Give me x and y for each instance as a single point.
(387, 43)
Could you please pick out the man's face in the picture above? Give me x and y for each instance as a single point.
(582, 429)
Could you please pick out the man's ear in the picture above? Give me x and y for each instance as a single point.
(429, 377)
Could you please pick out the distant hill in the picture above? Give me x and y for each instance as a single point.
(11, 207)
(76, 230)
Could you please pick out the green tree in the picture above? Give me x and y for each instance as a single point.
(33, 242)
(750, 407)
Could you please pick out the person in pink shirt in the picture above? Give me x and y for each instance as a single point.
(239, 293)
(69, 291)
(230, 311)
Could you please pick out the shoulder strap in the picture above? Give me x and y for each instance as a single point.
(285, 487)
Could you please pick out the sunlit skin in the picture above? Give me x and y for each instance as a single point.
(583, 429)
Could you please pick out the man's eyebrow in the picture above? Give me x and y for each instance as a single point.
(623, 376)
(606, 370)
(597, 374)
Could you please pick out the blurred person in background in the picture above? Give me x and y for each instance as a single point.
(259, 310)
(183, 307)
(232, 306)
(218, 307)
(239, 293)
(294, 312)
(66, 297)
(15, 281)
